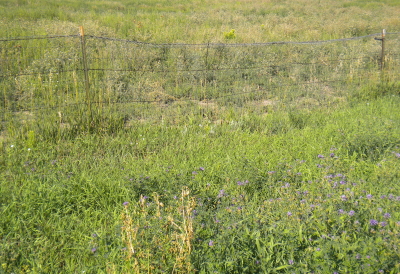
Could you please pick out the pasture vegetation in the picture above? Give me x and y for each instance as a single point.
(293, 182)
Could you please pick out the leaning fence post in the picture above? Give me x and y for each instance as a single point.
(85, 68)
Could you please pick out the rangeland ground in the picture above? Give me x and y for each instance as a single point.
(294, 182)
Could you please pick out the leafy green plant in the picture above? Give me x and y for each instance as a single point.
(230, 34)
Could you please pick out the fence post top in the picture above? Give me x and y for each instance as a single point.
(81, 31)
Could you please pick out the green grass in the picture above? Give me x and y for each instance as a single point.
(55, 195)
(292, 167)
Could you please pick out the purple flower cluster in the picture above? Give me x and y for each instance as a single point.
(221, 193)
(373, 222)
(242, 183)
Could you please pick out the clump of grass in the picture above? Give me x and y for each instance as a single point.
(158, 236)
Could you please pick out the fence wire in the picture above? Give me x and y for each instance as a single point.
(43, 76)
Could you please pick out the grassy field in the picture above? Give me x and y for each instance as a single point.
(293, 180)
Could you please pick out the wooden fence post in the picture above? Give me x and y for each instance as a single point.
(85, 68)
(383, 49)
(382, 39)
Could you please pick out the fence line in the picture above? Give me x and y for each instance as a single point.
(181, 70)
(191, 44)
(66, 71)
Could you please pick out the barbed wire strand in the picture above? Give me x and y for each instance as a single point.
(37, 37)
(19, 74)
(232, 45)
(193, 44)
(253, 91)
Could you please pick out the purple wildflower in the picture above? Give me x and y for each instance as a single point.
(332, 155)
(351, 212)
(383, 224)
(291, 262)
(344, 198)
(201, 168)
(321, 156)
(211, 243)
(143, 199)
(289, 213)
(221, 193)
(94, 250)
(125, 204)
(386, 215)
(369, 196)
(373, 222)
(341, 211)
(242, 183)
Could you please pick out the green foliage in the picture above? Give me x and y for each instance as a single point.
(290, 153)
(244, 182)
(230, 34)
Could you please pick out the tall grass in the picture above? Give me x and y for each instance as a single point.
(300, 177)
(62, 201)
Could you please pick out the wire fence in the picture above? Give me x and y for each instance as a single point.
(67, 77)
